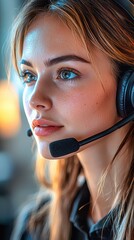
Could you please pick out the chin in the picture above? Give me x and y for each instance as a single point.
(45, 153)
(43, 149)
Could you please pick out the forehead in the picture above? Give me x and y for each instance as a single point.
(50, 33)
(49, 37)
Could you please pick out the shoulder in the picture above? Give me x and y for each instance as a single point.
(22, 221)
(20, 231)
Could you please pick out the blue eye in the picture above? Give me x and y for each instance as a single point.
(27, 77)
(67, 74)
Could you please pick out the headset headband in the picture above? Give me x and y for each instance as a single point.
(127, 6)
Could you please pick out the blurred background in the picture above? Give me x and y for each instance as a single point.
(17, 179)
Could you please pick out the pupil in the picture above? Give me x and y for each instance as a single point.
(66, 74)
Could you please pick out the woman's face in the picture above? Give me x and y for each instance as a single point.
(64, 94)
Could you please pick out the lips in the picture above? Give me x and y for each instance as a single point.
(43, 127)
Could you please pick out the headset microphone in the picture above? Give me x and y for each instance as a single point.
(69, 145)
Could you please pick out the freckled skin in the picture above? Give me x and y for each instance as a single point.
(84, 106)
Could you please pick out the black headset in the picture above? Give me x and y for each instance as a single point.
(125, 89)
(127, 6)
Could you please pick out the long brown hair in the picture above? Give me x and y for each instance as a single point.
(102, 24)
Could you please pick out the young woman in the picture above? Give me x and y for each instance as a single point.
(71, 57)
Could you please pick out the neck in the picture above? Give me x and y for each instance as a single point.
(95, 160)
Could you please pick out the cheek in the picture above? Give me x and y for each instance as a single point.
(85, 102)
(91, 111)
(79, 108)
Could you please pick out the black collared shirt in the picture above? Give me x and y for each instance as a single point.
(82, 227)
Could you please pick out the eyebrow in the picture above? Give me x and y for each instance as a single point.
(25, 62)
(57, 60)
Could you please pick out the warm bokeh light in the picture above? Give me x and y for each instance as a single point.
(9, 110)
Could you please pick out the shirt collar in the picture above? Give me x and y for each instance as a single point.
(79, 215)
(80, 209)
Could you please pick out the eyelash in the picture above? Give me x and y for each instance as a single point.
(68, 70)
(26, 74)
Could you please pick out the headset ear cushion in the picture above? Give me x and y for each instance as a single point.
(125, 94)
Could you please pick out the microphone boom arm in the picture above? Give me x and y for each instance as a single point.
(65, 146)
(118, 125)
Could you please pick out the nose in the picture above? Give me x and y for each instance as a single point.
(40, 98)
